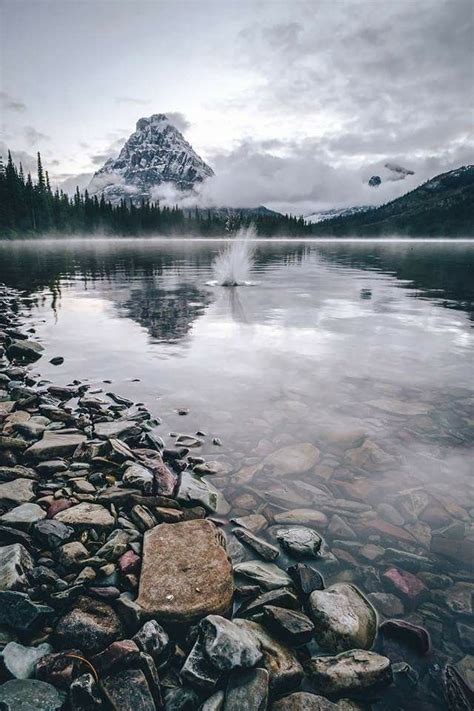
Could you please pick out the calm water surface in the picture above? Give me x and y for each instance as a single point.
(363, 350)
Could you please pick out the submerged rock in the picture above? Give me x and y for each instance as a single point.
(267, 575)
(294, 459)
(264, 549)
(351, 672)
(293, 627)
(186, 573)
(227, 645)
(300, 541)
(344, 618)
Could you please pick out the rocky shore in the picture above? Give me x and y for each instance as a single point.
(125, 585)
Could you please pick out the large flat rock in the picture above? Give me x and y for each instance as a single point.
(54, 445)
(186, 573)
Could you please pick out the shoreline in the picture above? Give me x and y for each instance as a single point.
(97, 512)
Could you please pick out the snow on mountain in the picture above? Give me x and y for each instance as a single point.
(335, 212)
(155, 154)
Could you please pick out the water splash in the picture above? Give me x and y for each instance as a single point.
(233, 265)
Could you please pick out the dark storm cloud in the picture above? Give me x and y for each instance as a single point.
(10, 104)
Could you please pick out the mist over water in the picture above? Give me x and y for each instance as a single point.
(363, 351)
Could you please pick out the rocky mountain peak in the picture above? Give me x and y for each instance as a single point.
(155, 153)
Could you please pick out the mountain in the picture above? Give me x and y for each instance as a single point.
(441, 207)
(317, 217)
(155, 153)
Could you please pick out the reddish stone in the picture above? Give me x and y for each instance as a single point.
(129, 562)
(58, 505)
(378, 525)
(61, 668)
(405, 585)
(121, 653)
(414, 635)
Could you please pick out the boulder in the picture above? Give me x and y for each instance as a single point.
(21, 613)
(20, 661)
(29, 695)
(128, 690)
(304, 701)
(117, 429)
(193, 490)
(186, 573)
(23, 516)
(86, 515)
(344, 618)
(54, 445)
(299, 541)
(350, 673)
(227, 645)
(305, 578)
(284, 669)
(19, 491)
(247, 689)
(293, 627)
(294, 459)
(25, 351)
(91, 625)
(267, 575)
(15, 565)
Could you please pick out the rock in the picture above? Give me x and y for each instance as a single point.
(19, 491)
(115, 546)
(121, 653)
(267, 575)
(21, 613)
(23, 516)
(406, 585)
(458, 692)
(72, 554)
(164, 480)
(247, 689)
(252, 522)
(129, 562)
(128, 690)
(452, 542)
(264, 549)
(91, 625)
(411, 503)
(390, 514)
(369, 457)
(15, 565)
(308, 517)
(24, 351)
(386, 603)
(294, 459)
(54, 445)
(181, 698)
(217, 468)
(413, 635)
(281, 597)
(465, 635)
(338, 528)
(351, 672)
(198, 670)
(193, 490)
(285, 671)
(186, 573)
(117, 429)
(304, 701)
(459, 598)
(137, 476)
(86, 515)
(294, 628)
(57, 360)
(21, 661)
(299, 541)
(344, 618)
(52, 533)
(214, 702)
(58, 505)
(84, 694)
(305, 578)
(29, 695)
(184, 440)
(226, 645)
(153, 640)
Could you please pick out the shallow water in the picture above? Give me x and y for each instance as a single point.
(363, 350)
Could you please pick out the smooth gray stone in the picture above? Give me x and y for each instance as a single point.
(247, 689)
(21, 661)
(29, 695)
(267, 575)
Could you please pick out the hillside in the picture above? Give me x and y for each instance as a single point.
(441, 207)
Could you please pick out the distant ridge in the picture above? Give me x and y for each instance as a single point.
(441, 207)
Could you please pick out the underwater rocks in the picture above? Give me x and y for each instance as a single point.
(351, 672)
(343, 617)
(186, 573)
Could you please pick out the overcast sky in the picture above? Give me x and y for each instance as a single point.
(294, 104)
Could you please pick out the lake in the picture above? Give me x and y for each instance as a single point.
(341, 382)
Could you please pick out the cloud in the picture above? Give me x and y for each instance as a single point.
(131, 100)
(68, 182)
(28, 161)
(33, 137)
(178, 120)
(11, 104)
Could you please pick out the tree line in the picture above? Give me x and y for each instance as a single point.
(31, 207)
